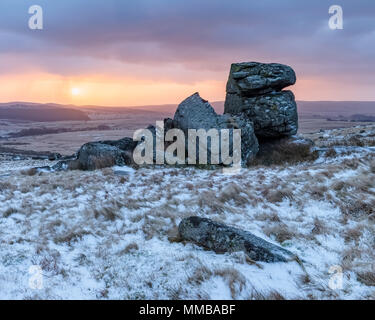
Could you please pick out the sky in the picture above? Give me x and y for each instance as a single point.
(146, 52)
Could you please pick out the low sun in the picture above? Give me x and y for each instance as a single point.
(75, 91)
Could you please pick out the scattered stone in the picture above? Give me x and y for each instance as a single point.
(222, 238)
(54, 156)
(95, 155)
(98, 155)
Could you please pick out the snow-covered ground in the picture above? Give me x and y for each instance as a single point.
(109, 234)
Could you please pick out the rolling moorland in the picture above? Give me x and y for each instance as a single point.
(66, 130)
(111, 233)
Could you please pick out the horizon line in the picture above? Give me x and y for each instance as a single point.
(156, 105)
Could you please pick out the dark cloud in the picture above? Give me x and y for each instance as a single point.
(197, 34)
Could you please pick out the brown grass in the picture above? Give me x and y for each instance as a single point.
(331, 153)
(372, 167)
(235, 193)
(273, 295)
(357, 207)
(71, 237)
(5, 186)
(29, 172)
(278, 195)
(353, 234)
(100, 163)
(8, 212)
(131, 247)
(348, 256)
(109, 212)
(200, 275)
(280, 231)
(367, 278)
(234, 279)
(282, 152)
(319, 227)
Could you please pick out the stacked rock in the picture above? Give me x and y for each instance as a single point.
(255, 90)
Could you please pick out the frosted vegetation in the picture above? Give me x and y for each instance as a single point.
(111, 233)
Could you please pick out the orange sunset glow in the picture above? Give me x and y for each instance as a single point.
(137, 56)
(107, 91)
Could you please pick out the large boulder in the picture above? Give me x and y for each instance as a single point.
(254, 90)
(222, 238)
(274, 114)
(254, 78)
(196, 113)
(94, 155)
(101, 154)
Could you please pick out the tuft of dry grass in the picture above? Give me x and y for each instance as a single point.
(108, 212)
(71, 237)
(8, 212)
(357, 207)
(331, 153)
(280, 231)
(353, 234)
(318, 191)
(5, 186)
(235, 193)
(233, 278)
(200, 274)
(283, 151)
(102, 162)
(367, 278)
(278, 195)
(29, 172)
(348, 256)
(372, 167)
(272, 295)
(210, 200)
(319, 227)
(131, 247)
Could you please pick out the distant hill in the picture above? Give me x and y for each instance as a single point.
(335, 108)
(349, 110)
(318, 108)
(40, 112)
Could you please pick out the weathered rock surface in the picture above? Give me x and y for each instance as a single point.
(253, 89)
(95, 155)
(254, 78)
(124, 144)
(221, 238)
(101, 154)
(196, 113)
(273, 114)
